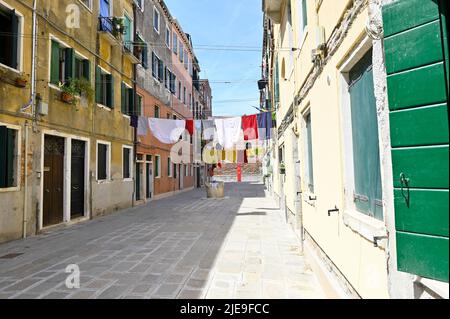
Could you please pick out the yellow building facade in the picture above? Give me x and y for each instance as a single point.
(67, 114)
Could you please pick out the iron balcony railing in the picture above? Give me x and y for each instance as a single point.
(106, 25)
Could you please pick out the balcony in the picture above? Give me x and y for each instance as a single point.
(272, 8)
(110, 29)
(132, 52)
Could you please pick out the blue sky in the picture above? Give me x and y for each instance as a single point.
(225, 23)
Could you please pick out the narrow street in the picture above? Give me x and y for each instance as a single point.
(181, 247)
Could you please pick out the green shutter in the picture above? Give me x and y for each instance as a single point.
(54, 66)
(366, 155)
(11, 141)
(98, 85)
(87, 69)
(110, 91)
(417, 68)
(69, 64)
(305, 14)
(131, 107)
(14, 39)
(3, 156)
(123, 95)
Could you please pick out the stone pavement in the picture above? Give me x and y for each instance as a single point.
(181, 247)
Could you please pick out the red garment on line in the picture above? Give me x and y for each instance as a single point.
(190, 126)
(250, 127)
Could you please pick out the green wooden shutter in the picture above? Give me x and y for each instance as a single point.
(131, 108)
(305, 14)
(417, 64)
(366, 155)
(69, 64)
(87, 69)
(3, 156)
(98, 85)
(110, 91)
(54, 67)
(10, 152)
(123, 95)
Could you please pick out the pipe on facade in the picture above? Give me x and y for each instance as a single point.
(25, 190)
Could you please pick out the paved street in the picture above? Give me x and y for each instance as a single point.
(182, 247)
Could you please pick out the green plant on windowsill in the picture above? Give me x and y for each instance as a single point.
(74, 88)
(118, 26)
(282, 168)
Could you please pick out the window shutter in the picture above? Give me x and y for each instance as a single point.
(70, 64)
(110, 91)
(98, 85)
(145, 57)
(15, 39)
(123, 98)
(131, 107)
(161, 70)
(11, 140)
(54, 67)
(154, 65)
(418, 87)
(3, 156)
(87, 69)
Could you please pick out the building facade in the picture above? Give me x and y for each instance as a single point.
(340, 76)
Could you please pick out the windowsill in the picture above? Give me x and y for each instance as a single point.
(3, 66)
(10, 189)
(104, 107)
(368, 227)
(439, 287)
(105, 181)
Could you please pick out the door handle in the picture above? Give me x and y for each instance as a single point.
(404, 182)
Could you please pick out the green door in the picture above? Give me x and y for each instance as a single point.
(417, 67)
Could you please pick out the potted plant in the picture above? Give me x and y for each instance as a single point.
(84, 88)
(118, 26)
(21, 80)
(282, 169)
(68, 92)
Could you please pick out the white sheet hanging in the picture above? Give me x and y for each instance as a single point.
(228, 131)
(167, 131)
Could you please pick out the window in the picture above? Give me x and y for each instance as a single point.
(366, 155)
(175, 171)
(156, 19)
(168, 34)
(175, 43)
(158, 68)
(186, 171)
(157, 112)
(169, 167)
(10, 28)
(186, 61)
(9, 152)
(104, 88)
(181, 51)
(140, 4)
(82, 68)
(127, 101)
(167, 78)
(309, 153)
(173, 83)
(87, 3)
(103, 161)
(179, 90)
(139, 104)
(157, 166)
(128, 37)
(303, 17)
(126, 161)
(144, 51)
(64, 65)
(184, 95)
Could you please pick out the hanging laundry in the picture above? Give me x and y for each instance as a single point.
(250, 127)
(190, 126)
(265, 125)
(228, 131)
(208, 129)
(167, 131)
(142, 126)
(134, 121)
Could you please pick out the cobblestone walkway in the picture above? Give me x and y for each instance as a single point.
(182, 247)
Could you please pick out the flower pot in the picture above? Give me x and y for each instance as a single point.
(21, 82)
(67, 97)
(283, 171)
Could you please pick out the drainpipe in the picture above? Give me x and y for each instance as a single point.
(25, 191)
(135, 142)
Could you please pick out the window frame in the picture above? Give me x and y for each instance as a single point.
(20, 28)
(157, 166)
(108, 162)
(130, 168)
(17, 156)
(169, 167)
(155, 10)
(103, 105)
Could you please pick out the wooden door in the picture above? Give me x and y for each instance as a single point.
(53, 181)
(77, 179)
(149, 188)
(417, 68)
(138, 181)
